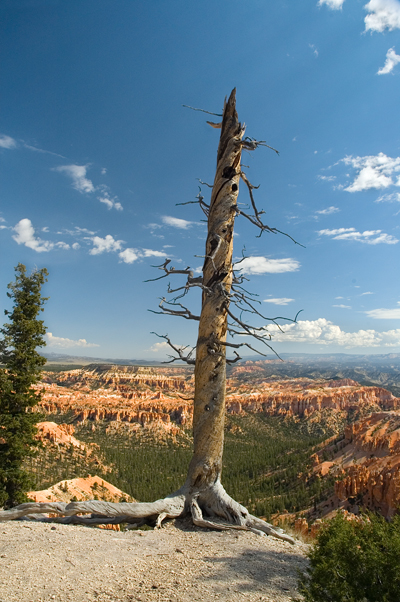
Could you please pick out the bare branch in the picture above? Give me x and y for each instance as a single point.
(170, 271)
(237, 358)
(205, 183)
(179, 350)
(182, 313)
(238, 345)
(200, 201)
(251, 144)
(216, 126)
(203, 111)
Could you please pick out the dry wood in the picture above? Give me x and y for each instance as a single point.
(202, 496)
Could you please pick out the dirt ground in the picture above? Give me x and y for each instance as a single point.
(41, 562)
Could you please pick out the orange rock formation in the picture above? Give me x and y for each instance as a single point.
(368, 464)
(88, 488)
(143, 396)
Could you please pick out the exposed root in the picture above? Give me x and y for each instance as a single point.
(210, 508)
(101, 512)
(217, 503)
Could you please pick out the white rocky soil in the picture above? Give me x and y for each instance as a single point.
(41, 562)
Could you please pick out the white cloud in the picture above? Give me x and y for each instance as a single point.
(328, 210)
(382, 14)
(370, 237)
(151, 253)
(129, 255)
(374, 171)
(107, 244)
(110, 202)
(315, 50)
(62, 245)
(63, 343)
(103, 171)
(78, 175)
(342, 306)
(158, 347)
(391, 61)
(7, 141)
(263, 265)
(384, 314)
(367, 293)
(323, 332)
(175, 222)
(76, 246)
(279, 301)
(333, 4)
(25, 235)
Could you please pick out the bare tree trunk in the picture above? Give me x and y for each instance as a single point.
(210, 369)
(202, 495)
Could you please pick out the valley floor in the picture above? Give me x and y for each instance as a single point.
(41, 562)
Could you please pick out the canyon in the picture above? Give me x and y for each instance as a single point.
(141, 395)
(362, 423)
(366, 465)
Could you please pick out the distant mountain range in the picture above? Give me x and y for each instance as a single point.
(381, 370)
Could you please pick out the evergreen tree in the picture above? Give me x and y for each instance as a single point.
(21, 336)
(354, 562)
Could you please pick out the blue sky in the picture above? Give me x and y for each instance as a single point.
(96, 150)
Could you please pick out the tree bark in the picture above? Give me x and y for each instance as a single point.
(210, 369)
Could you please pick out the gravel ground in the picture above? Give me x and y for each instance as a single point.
(41, 562)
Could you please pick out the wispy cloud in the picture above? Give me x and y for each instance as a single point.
(77, 173)
(324, 332)
(7, 141)
(370, 237)
(105, 245)
(382, 14)
(333, 4)
(389, 198)
(315, 51)
(327, 178)
(279, 301)
(41, 150)
(384, 314)
(176, 222)
(391, 61)
(64, 343)
(367, 293)
(25, 235)
(263, 265)
(328, 210)
(341, 306)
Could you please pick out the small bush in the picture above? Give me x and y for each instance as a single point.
(354, 561)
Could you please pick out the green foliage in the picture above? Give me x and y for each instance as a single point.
(354, 562)
(21, 336)
(266, 462)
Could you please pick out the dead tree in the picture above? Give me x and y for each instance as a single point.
(202, 495)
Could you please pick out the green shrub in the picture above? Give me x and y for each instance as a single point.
(354, 561)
